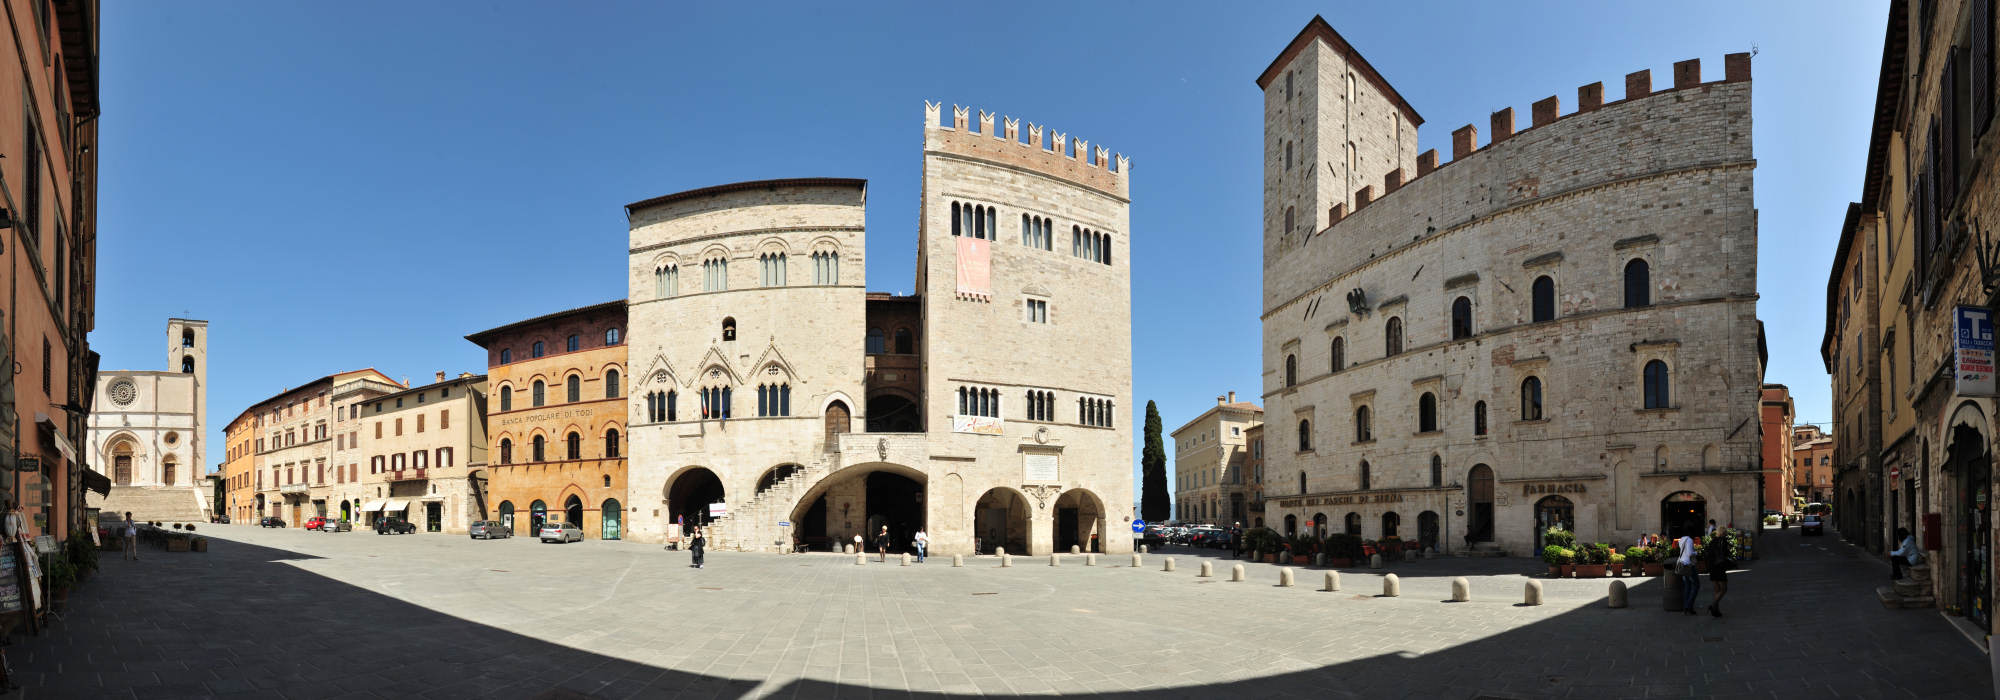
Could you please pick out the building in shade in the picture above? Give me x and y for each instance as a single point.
(1556, 327)
(1812, 467)
(1212, 464)
(1777, 415)
(148, 432)
(555, 423)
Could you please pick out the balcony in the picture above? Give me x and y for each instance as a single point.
(299, 489)
(417, 474)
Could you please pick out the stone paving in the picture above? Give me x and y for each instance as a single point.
(294, 614)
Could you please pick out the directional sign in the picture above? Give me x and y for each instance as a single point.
(784, 523)
(1138, 526)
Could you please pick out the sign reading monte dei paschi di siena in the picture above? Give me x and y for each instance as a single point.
(1557, 327)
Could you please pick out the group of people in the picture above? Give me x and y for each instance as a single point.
(698, 545)
(1714, 549)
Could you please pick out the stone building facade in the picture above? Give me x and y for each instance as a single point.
(556, 423)
(1211, 463)
(1253, 484)
(290, 472)
(785, 405)
(415, 450)
(350, 489)
(1812, 465)
(1558, 327)
(148, 431)
(1777, 415)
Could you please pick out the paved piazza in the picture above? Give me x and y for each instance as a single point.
(288, 613)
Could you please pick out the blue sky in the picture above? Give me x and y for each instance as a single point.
(344, 185)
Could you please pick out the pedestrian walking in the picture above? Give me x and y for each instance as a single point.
(131, 538)
(882, 544)
(698, 545)
(923, 544)
(1906, 553)
(1684, 568)
(859, 547)
(1719, 561)
(1710, 531)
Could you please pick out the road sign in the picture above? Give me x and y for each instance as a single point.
(1896, 473)
(784, 523)
(1138, 526)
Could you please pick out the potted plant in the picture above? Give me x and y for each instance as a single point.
(178, 543)
(199, 544)
(62, 577)
(1654, 560)
(1594, 559)
(1342, 549)
(1301, 552)
(1555, 557)
(1617, 564)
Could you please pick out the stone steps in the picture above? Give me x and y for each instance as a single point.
(167, 504)
(753, 526)
(1912, 591)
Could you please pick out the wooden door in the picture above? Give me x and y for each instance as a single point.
(837, 422)
(121, 470)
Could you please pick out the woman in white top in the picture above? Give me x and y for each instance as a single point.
(923, 542)
(1906, 553)
(1684, 567)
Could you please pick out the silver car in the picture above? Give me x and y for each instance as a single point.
(488, 529)
(561, 532)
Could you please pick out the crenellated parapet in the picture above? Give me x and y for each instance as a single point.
(1059, 155)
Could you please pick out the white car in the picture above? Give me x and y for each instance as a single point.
(561, 532)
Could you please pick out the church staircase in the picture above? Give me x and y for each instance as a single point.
(167, 504)
(753, 526)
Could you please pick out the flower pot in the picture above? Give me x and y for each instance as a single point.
(1616, 570)
(200, 545)
(177, 544)
(1590, 570)
(1338, 562)
(1654, 568)
(1300, 559)
(1555, 571)
(1270, 558)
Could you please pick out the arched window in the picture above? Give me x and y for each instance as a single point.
(826, 267)
(715, 275)
(1352, 524)
(607, 481)
(729, 328)
(1427, 413)
(1544, 306)
(611, 337)
(1656, 385)
(906, 343)
(1362, 431)
(1461, 318)
(536, 350)
(571, 343)
(1392, 336)
(672, 412)
(187, 365)
(1339, 354)
(573, 446)
(1288, 153)
(1291, 370)
(575, 388)
(1302, 483)
(1305, 435)
(1437, 471)
(506, 451)
(1364, 475)
(506, 398)
(1638, 284)
(666, 281)
(187, 337)
(538, 393)
(1479, 418)
(957, 228)
(611, 444)
(874, 341)
(771, 267)
(539, 449)
(611, 384)
(1531, 399)
(1390, 522)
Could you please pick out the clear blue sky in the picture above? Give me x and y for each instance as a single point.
(344, 185)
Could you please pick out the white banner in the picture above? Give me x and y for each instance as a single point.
(978, 425)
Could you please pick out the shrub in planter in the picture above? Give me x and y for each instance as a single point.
(1559, 537)
(1555, 556)
(200, 544)
(1617, 564)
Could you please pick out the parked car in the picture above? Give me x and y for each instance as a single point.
(315, 523)
(394, 526)
(271, 522)
(337, 526)
(488, 529)
(1811, 525)
(561, 532)
(219, 519)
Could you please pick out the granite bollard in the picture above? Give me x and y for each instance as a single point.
(1055, 559)
(1461, 590)
(906, 559)
(1170, 564)
(1285, 577)
(1332, 581)
(957, 561)
(1391, 586)
(1618, 594)
(1236, 572)
(1207, 569)
(1533, 596)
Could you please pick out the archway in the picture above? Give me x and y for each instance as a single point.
(573, 511)
(891, 413)
(1392, 524)
(897, 502)
(121, 466)
(507, 516)
(1352, 525)
(689, 495)
(260, 505)
(1000, 518)
(610, 515)
(1291, 525)
(838, 420)
(1479, 495)
(538, 515)
(1968, 460)
(1319, 526)
(1427, 529)
(346, 510)
(1079, 521)
(776, 474)
(1683, 513)
(1553, 511)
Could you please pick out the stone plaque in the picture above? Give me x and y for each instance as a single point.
(1039, 468)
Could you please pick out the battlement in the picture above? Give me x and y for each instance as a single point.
(1590, 98)
(1058, 149)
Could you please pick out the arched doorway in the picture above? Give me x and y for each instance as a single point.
(1000, 518)
(538, 515)
(573, 511)
(890, 413)
(1319, 526)
(1079, 521)
(895, 501)
(260, 505)
(1392, 524)
(610, 515)
(838, 420)
(1970, 463)
(1291, 526)
(346, 510)
(1683, 513)
(1427, 529)
(1553, 511)
(1479, 495)
(167, 471)
(689, 495)
(1352, 525)
(507, 516)
(121, 467)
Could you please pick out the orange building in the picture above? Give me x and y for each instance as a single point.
(1812, 464)
(1777, 414)
(239, 464)
(555, 421)
(280, 448)
(48, 133)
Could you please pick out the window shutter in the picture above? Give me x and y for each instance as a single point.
(1948, 154)
(1982, 66)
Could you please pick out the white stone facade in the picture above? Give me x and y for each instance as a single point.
(147, 427)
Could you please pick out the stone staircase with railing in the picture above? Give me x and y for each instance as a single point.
(167, 504)
(753, 526)
(1911, 591)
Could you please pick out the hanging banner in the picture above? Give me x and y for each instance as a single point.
(975, 269)
(1972, 346)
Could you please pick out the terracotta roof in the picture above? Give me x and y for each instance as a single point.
(481, 337)
(746, 185)
(1320, 30)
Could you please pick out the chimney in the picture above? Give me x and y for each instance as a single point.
(1218, 401)
(440, 375)
(1232, 397)
(464, 375)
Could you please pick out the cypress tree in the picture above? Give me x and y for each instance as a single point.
(1156, 505)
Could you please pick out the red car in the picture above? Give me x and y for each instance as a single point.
(317, 523)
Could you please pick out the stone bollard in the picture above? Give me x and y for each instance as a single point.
(906, 559)
(1461, 590)
(1002, 551)
(1319, 559)
(1136, 562)
(1391, 586)
(1055, 559)
(1236, 572)
(958, 561)
(1533, 596)
(1006, 560)
(1170, 564)
(847, 549)
(1090, 560)
(1207, 569)
(1670, 595)
(1285, 577)
(1618, 598)
(1075, 549)
(1145, 549)
(861, 559)
(1332, 581)
(1375, 560)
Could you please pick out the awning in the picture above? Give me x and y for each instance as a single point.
(393, 506)
(372, 506)
(97, 482)
(56, 436)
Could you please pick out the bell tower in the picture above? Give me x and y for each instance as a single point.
(187, 353)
